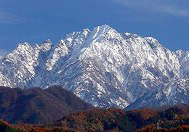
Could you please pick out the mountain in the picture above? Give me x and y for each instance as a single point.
(173, 119)
(38, 106)
(103, 67)
(175, 93)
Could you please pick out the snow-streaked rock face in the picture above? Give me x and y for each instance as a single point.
(175, 92)
(103, 67)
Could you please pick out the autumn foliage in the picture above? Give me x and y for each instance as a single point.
(165, 119)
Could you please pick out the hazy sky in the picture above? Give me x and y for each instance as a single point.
(36, 20)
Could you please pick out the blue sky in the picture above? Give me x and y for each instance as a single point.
(36, 20)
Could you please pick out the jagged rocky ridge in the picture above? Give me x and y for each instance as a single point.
(103, 67)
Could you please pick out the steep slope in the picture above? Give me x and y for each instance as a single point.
(183, 57)
(175, 92)
(21, 65)
(103, 67)
(38, 106)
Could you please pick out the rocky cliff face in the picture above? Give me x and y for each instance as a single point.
(103, 67)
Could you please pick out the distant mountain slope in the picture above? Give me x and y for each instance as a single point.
(174, 93)
(103, 67)
(163, 119)
(38, 106)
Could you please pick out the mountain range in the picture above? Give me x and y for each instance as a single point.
(103, 67)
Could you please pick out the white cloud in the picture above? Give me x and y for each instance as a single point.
(8, 18)
(170, 7)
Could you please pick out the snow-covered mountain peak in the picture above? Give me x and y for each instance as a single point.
(46, 45)
(23, 46)
(22, 52)
(60, 50)
(103, 27)
(182, 54)
(103, 32)
(85, 31)
(153, 42)
(102, 66)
